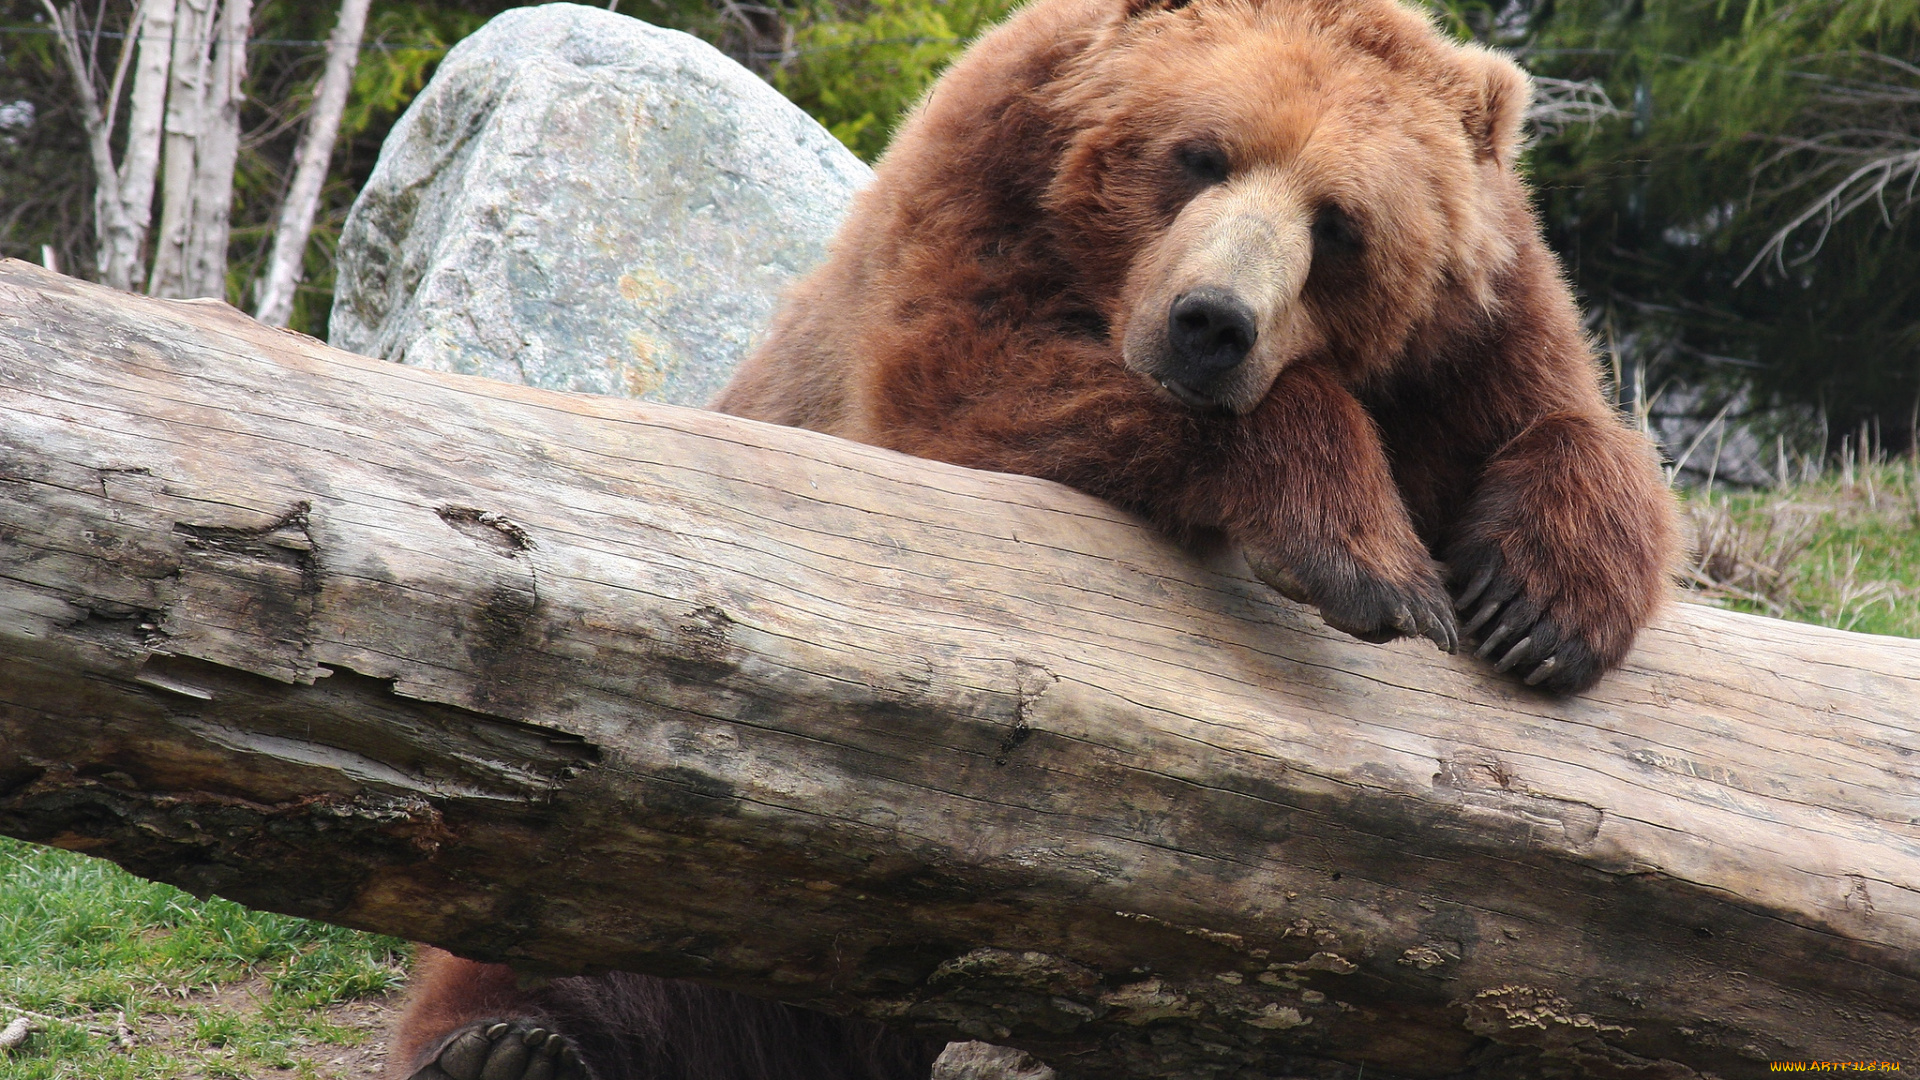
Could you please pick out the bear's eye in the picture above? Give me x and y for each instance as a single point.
(1203, 163)
(1335, 234)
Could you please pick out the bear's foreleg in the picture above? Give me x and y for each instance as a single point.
(1304, 488)
(1563, 550)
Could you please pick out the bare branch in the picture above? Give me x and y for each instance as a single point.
(1872, 155)
(1559, 104)
(1866, 183)
(120, 66)
(66, 30)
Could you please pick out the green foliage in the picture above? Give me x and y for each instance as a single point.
(1735, 116)
(404, 45)
(859, 72)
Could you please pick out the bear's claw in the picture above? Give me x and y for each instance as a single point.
(1419, 615)
(1473, 590)
(505, 1050)
(1436, 624)
(1371, 609)
(1517, 636)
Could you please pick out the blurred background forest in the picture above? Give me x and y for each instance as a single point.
(1730, 181)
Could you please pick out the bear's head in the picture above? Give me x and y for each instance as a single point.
(1253, 183)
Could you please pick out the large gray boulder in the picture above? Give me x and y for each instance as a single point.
(581, 201)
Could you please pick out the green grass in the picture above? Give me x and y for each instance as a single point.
(207, 988)
(1842, 549)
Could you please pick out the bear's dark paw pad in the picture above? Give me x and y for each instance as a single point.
(1514, 635)
(505, 1050)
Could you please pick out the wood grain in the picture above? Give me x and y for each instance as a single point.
(584, 683)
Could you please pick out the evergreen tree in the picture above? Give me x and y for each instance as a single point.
(1747, 216)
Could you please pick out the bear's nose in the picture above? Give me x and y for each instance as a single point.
(1209, 331)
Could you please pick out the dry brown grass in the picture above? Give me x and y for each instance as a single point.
(1841, 549)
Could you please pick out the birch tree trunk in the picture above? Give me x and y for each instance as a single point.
(577, 682)
(123, 195)
(141, 158)
(285, 263)
(202, 144)
(108, 224)
(217, 152)
(186, 104)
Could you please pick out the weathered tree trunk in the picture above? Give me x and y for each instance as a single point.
(583, 682)
(188, 76)
(284, 265)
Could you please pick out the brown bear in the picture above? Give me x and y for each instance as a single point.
(1260, 267)
(1252, 268)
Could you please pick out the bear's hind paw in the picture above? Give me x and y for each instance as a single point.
(505, 1050)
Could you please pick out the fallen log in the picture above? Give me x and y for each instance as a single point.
(582, 683)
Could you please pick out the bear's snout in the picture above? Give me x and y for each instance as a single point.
(1209, 332)
(1214, 310)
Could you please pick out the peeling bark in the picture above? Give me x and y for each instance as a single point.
(583, 682)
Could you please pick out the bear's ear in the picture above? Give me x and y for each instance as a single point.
(1498, 96)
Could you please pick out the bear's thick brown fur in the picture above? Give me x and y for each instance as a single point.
(1259, 267)
(1255, 266)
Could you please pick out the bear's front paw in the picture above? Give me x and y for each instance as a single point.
(1514, 631)
(505, 1050)
(1370, 608)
